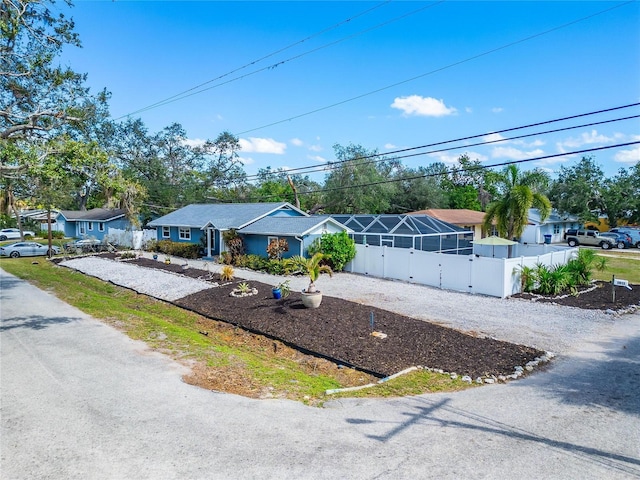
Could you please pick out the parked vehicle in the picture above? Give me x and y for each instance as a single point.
(622, 240)
(11, 233)
(591, 238)
(634, 233)
(87, 245)
(27, 249)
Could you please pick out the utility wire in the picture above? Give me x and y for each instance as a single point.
(446, 67)
(336, 165)
(308, 168)
(475, 168)
(192, 91)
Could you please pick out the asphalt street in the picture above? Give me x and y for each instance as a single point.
(80, 400)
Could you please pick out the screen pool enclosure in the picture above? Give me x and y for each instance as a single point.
(420, 232)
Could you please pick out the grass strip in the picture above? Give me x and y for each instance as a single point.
(222, 357)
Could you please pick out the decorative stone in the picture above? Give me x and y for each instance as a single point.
(466, 378)
(453, 376)
(479, 380)
(489, 380)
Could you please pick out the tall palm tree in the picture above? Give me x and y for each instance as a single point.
(520, 192)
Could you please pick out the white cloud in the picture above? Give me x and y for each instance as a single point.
(553, 161)
(494, 137)
(512, 153)
(532, 144)
(497, 109)
(587, 138)
(316, 148)
(317, 158)
(389, 146)
(296, 142)
(628, 156)
(246, 160)
(468, 109)
(262, 145)
(453, 158)
(193, 142)
(422, 106)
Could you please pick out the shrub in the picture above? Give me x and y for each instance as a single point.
(338, 249)
(275, 267)
(234, 243)
(227, 273)
(57, 234)
(276, 248)
(178, 249)
(225, 257)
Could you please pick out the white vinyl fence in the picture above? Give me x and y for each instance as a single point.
(497, 277)
(130, 238)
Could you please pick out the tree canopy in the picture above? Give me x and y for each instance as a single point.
(519, 191)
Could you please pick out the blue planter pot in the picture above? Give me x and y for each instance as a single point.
(277, 293)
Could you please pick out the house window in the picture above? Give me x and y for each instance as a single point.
(101, 226)
(166, 232)
(184, 233)
(90, 226)
(271, 239)
(556, 228)
(82, 228)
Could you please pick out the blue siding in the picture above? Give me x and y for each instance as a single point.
(257, 245)
(285, 212)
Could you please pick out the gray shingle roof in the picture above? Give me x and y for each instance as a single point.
(95, 214)
(220, 215)
(287, 226)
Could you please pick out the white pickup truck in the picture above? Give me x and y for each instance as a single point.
(591, 238)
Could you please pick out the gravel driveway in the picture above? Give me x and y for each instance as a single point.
(546, 327)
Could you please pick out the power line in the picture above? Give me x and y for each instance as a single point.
(475, 168)
(333, 165)
(437, 70)
(190, 92)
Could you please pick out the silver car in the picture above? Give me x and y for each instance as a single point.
(27, 249)
(10, 233)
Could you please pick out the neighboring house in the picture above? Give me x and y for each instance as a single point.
(463, 218)
(257, 223)
(95, 223)
(555, 225)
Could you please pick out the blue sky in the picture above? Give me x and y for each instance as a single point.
(398, 74)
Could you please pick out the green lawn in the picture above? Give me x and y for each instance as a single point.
(623, 264)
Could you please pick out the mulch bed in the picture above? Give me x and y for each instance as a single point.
(340, 330)
(599, 298)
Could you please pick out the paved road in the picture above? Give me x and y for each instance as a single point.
(80, 400)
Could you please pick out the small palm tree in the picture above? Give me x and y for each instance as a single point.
(520, 192)
(312, 268)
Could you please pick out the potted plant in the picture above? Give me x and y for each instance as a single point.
(311, 297)
(167, 260)
(281, 290)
